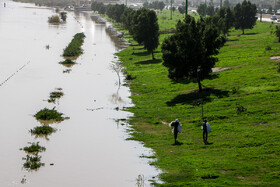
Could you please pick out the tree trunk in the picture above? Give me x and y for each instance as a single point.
(243, 31)
(199, 86)
(153, 54)
(199, 83)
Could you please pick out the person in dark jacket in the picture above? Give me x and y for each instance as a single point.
(205, 132)
(175, 125)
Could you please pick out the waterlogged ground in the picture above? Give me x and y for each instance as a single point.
(89, 149)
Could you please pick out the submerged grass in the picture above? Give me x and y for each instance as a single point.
(241, 105)
(49, 114)
(54, 96)
(42, 130)
(32, 162)
(74, 48)
(34, 148)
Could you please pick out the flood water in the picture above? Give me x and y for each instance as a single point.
(89, 149)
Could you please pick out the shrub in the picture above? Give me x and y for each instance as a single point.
(55, 95)
(67, 61)
(74, 48)
(42, 130)
(240, 109)
(54, 19)
(49, 114)
(32, 162)
(34, 148)
(268, 48)
(63, 16)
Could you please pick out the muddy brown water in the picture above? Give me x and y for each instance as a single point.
(89, 149)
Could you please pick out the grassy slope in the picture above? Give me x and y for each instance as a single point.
(245, 147)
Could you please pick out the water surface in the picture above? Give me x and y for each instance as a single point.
(89, 149)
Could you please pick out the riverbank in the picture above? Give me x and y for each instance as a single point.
(241, 104)
(77, 153)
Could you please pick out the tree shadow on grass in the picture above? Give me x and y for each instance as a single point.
(146, 62)
(194, 96)
(250, 33)
(212, 76)
(143, 53)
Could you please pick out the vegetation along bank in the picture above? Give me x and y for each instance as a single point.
(241, 103)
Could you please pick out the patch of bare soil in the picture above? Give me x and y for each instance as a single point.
(218, 69)
(275, 58)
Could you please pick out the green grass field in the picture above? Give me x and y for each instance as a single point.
(244, 146)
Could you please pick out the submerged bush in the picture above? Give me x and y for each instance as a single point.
(55, 95)
(32, 162)
(67, 61)
(34, 148)
(54, 19)
(49, 114)
(42, 130)
(74, 48)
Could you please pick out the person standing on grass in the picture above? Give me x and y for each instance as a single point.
(204, 128)
(176, 125)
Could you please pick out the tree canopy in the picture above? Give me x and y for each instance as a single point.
(190, 52)
(245, 15)
(145, 29)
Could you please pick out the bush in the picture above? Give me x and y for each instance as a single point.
(240, 109)
(268, 48)
(55, 95)
(32, 162)
(74, 48)
(42, 130)
(34, 148)
(49, 114)
(63, 16)
(67, 61)
(54, 19)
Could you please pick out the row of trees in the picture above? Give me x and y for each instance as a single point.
(157, 5)
(142, 24)
(241, 17)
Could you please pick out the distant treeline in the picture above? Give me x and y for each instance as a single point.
(142, 24)
(157, 5)
(59, 3)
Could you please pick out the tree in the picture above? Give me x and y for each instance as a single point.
(182, 9)
(227, 16)
(277, 32)
(146, 4)
(190, 52)
(245, 15)
(200, 9)
(145, 29)
(210, 10)
(226, 3)
(63, 16)
(161, 5)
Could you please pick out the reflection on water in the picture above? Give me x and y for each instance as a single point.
(87, 149)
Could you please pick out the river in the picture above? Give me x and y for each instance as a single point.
(90, 148)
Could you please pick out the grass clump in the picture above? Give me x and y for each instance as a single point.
(34, 148)
(49, 114)
(42, 130)
(74, 48)
(55, 95)
(32, 162)
(67, 62)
